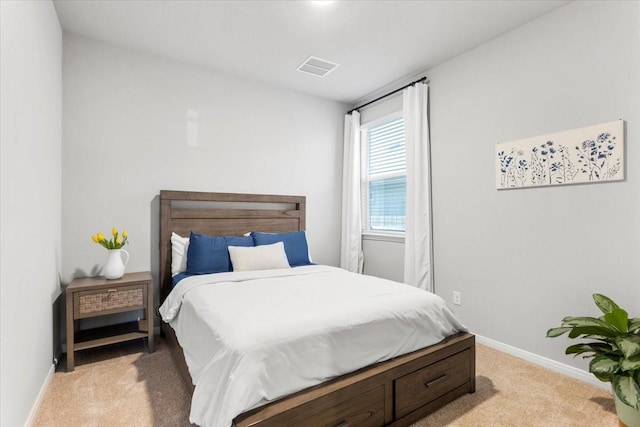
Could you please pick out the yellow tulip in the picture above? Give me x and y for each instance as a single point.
(95, 239)
(118, 240)
(114, 231)
(125, 234)
(100, 237)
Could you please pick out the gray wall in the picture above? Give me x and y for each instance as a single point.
(524, 259)
(125, 138)
(383, 258)
(30, 152)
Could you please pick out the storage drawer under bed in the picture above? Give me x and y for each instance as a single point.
(429, 383)
(346, 407)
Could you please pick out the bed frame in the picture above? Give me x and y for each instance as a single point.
(395, 393)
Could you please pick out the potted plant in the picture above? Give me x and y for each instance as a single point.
(613, 343)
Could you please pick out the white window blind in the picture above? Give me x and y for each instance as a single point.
(385, 183)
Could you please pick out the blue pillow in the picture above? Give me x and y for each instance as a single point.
(210, 254)
(295, 245)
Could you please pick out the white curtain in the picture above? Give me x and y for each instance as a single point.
(417, 241)
(351, 256)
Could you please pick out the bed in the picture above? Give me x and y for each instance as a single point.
(395, 392)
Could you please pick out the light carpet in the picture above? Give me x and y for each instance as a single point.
(122, 385)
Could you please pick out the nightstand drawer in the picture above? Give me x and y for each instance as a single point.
(110, 300)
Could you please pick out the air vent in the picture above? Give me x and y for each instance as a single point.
(316, 66)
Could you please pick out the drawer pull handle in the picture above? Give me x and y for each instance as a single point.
(343, 424)
(436, 381)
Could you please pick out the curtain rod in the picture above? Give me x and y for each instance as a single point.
(420, 80)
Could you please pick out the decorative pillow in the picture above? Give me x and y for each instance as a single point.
(246, 241)
(265, 257)
(295, 245)
(209, 254)
(179, 246)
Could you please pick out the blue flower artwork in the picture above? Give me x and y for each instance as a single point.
(589, 154)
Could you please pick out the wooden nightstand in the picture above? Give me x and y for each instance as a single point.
(97, 296)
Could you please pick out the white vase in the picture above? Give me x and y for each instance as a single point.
(114, 268)
(628, 415)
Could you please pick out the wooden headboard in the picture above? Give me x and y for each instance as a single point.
(222, 214)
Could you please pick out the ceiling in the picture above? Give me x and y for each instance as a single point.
(376, 43)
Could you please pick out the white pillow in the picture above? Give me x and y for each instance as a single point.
(265, 257)
(179, 247)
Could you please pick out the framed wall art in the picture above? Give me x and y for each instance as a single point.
(585, 155)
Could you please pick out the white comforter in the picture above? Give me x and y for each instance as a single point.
(252, 337)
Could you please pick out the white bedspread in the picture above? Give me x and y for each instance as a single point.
(252, 337)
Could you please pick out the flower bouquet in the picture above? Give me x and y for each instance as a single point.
(114, 268)
(116, 242)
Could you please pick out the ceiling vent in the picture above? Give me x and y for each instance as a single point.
(316, 66)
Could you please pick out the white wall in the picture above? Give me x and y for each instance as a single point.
(524, 259)
(30, 153)
(125, 139)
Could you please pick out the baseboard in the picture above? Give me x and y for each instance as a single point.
(40, 398)
(552, 365)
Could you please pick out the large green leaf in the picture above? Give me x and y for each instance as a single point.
(604, 365)
(595, 348)
(587, 321)
(604, 378)
(630, 364)
(556, 332)
(594, 331)
(605, 304)
(629, 345)
(634, 325)
(608, 340)
(618, 318)
(627, 390)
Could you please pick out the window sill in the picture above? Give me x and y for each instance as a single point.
(383, 237)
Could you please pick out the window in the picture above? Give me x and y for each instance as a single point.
(384, 179)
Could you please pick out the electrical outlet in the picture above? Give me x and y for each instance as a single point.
(457, 298)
